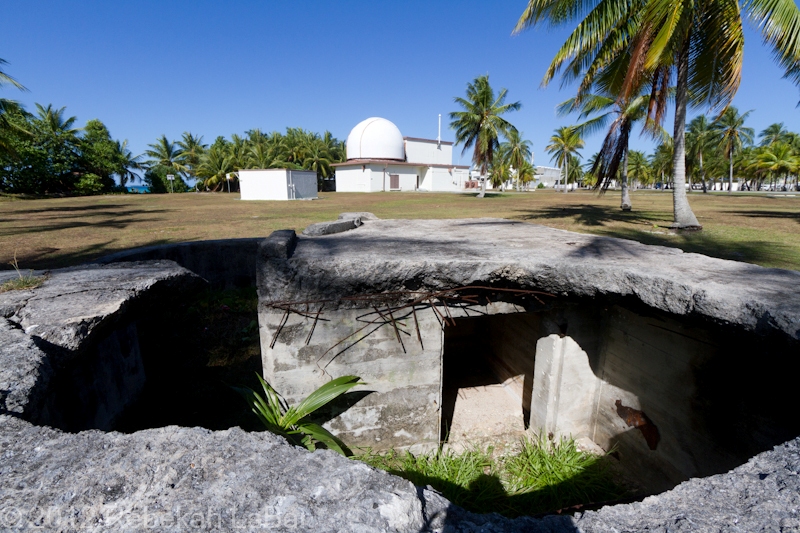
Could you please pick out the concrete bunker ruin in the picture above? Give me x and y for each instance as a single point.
(692, 356)
(476, 329)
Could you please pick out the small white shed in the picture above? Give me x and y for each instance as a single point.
(277, 184)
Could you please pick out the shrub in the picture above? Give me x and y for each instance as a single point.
(89, 184)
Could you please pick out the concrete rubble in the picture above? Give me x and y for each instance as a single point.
(187, 479)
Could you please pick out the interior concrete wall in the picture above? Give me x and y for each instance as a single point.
(399, 405)
(224, 263)
(96, 387)
(513, 339)
(670, 397)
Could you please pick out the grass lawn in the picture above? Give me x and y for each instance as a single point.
(50, 233)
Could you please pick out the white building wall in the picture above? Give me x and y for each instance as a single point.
(353, 179)
(276, 184)
(447, 179)
(429, 152)
(547, 175)
(407, 177)
(264, 184)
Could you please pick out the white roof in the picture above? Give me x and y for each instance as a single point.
(375, 138)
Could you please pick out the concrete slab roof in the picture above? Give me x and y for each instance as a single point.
(385, 255)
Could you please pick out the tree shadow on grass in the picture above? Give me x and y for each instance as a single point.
(113, 222)
(650, 227)
(764, 213)
(595, 215)
(49, 258)
(487, 195)
(486, 494)
(766, 253)
(80, 210)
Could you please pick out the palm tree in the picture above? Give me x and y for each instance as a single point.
(774, 133)
(629, 44)
(318, 159)
(516, 151)
(525, 173)
(613, 156)
(638, 167)
(191, 149)
(564, 144)
(214, 167)
(54, 120)
(164, 153)
(481, 124)
(778, 159)
(662, 160)
(129, 164)
(732, 135)
(8, 106)
(699, 139)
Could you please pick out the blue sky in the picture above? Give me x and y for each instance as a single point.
(215, 68)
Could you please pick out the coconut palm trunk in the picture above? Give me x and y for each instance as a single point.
(484, 178)
(702, 172)
(625, 203)
(683, 215)
(730, 172)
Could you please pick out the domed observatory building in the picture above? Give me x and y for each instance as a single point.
(379, 158)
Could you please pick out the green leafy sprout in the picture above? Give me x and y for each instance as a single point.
(295, 422)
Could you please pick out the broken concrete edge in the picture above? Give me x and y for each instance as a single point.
(345, 222)
(97, 481)
(363, 215)
(367, 262)
(224, 263)
(46, 329)
(329, 228)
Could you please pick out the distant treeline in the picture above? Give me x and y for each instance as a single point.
(43, 153)
(209, 166)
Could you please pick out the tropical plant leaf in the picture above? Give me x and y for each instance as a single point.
(320, 397)
(320, 434)
(290, 422)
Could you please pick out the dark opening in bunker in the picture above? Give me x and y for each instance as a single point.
(194, 353)
(173, 363)
(673, 397)
(487, 377)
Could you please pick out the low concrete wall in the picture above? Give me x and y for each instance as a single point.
(224, 263)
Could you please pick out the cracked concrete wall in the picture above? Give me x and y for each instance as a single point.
(399, 406)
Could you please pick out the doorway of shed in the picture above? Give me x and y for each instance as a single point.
(487, 377)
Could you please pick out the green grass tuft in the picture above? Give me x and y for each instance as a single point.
(541, 477)
(23, 282)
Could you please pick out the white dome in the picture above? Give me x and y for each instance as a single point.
(375, 138)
